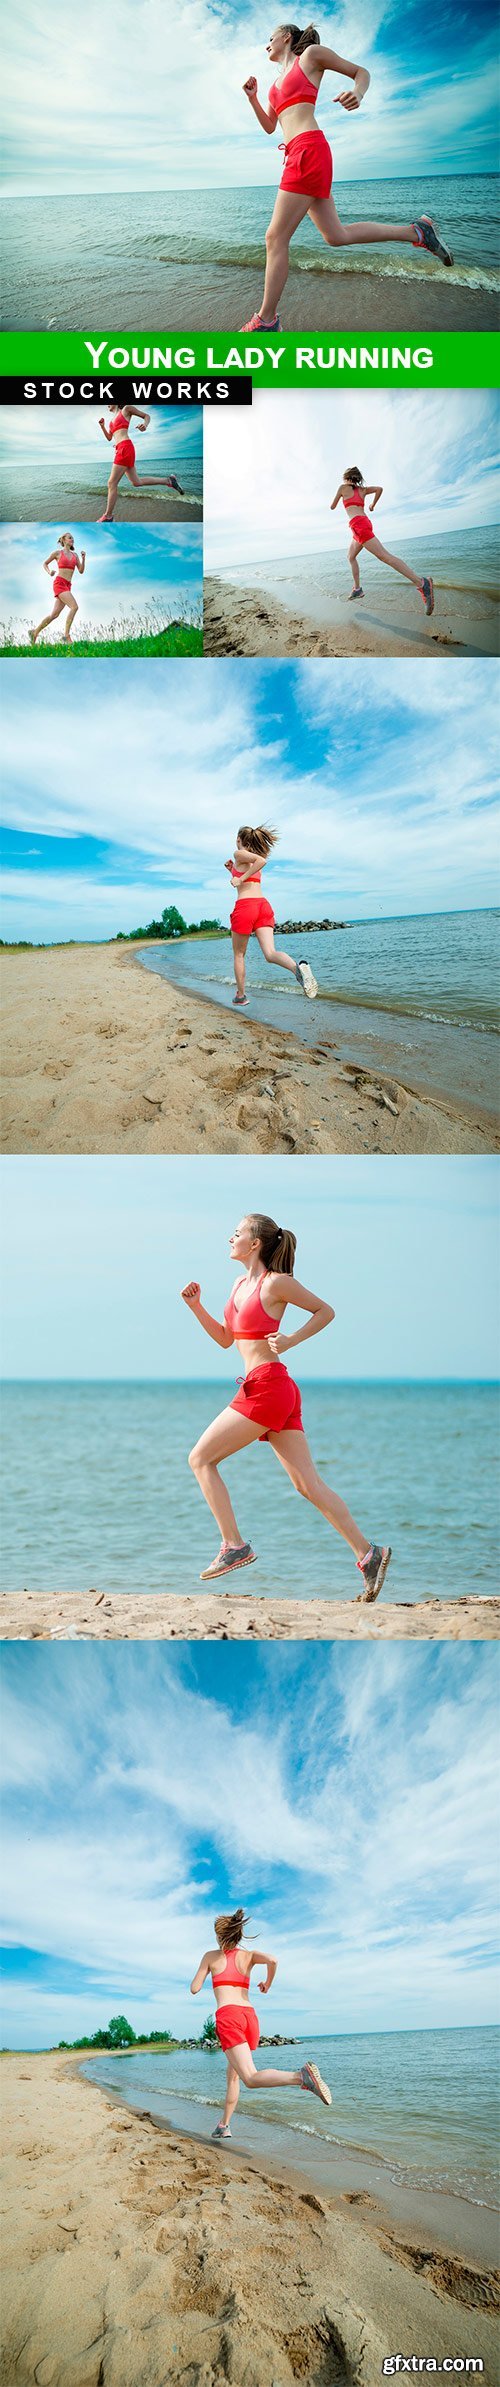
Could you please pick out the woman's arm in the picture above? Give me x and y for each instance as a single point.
(80, 561)
(50, 559)
(375, 493)
(266, 116)
(103, 427)
(297, 1295)
(335, 500)
(259, 1957)
(191, 1294)
(331, 63)
(143, 418)
(200, 1976)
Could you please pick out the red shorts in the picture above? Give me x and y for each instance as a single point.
(362, 528)
(62, 588)
(270, 1398)
(234, 2024)
(125, 452)
(251, 911)
(308, 167)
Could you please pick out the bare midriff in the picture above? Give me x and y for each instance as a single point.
(299, 119)
(258, 1354)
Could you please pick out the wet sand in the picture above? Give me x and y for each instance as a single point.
(134, 2254)
(101, 1055)
(26, 502)
(252, 621)
(222, 1615)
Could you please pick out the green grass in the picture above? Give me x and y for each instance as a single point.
(139, 636)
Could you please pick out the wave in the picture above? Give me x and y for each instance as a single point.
(248, 254)
(396, 1006)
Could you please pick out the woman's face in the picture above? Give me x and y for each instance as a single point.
(242, 1242)
(277, 45)
(68, 541)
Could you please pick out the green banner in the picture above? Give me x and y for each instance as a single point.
(448, 360)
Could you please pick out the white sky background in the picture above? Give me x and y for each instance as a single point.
(98, 1249)
(142, 97)
(269, 477)
(57, 441)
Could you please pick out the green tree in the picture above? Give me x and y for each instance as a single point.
(119, 2032)
(209, 2034)
(173, 923)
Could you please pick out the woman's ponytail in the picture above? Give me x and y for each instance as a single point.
(353, 474)
(300, 41)
(230, 1928)
(276, 1244)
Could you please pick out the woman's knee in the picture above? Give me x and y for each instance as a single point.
(195, 1459)
(274, 240)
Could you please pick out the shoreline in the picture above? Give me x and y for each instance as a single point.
(251, 620)
(99, 1056)
(98, 1615)
(141, 2253)
(83, 505)
(317, 299)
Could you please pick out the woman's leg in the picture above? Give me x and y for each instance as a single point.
(47, 619)
(324, 215)
(243, 2063)
(265, 938)
(354, 551)
(239, 951)
(153, 480)
(71, 609)
(288, 213)
(116, 475)
(230, 1432)
(293, 1450)
(394, 560)
(232, 2093)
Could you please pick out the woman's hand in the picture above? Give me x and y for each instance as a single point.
(263, 1986)
(251, 87)
(277, 1344)
(347, 99)
(191, 1294)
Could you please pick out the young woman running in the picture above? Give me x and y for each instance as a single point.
(305, 189)
(267, 1407)
(229, 1966)
(66, 562)
(252, 915)
(353, 491)
(117, 434)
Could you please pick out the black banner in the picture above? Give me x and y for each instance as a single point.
(188, 389)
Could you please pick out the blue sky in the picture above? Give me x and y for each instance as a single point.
(167, 110)
(362, 1839)
(373, 773)
(62, 447)
(438, 466)
(406, 1251)
(131, 572)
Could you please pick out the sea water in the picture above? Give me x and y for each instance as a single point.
(416, 996)
(132, 259)
(465, 567)
(423, 2103)
(98, 1492)
(58, 462)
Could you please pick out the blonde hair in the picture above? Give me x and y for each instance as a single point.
(258, 841)
(65, 534)
(230, 1928)
(277, 1245)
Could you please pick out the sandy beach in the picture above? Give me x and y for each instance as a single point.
(134, 2254)
(228, 1616)
(100, 1055)
(133, 505)
(252, 621)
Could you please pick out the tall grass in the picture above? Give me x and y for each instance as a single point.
(136, 634)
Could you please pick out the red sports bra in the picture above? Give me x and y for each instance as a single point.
(236, 874)
(295, 86)
(232, 1978)
(357, 499)
(120, 423)
(66, 563)
(258, 1321)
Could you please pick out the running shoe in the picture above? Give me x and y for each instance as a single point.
(228, 1560)
(355, 592)
(311, 2079)
(256, 325)
(306, 981)
(426, 237)
(222, 2130)
(427, 594)
(239, 1002)
(373, 1568)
